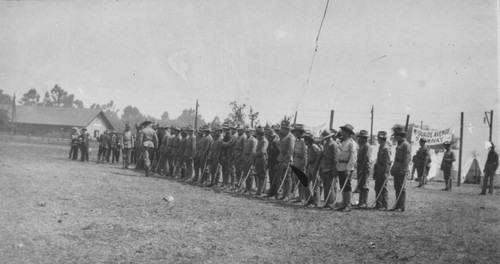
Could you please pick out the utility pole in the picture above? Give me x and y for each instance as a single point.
(371, 129)
(196, 117)
(421, 124)
(407, 122)
(490, 121)
(295, 118)
(460, 151)
(14, 116)
(332, 112)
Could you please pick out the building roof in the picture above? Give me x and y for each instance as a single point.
(44, 115)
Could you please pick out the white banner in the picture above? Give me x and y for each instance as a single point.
(433, 137)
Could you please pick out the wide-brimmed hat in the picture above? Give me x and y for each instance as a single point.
(363, 133)
(285, 124)
(399, 130)
(189, 128)
(447, 143)
(174, 128)
(249, 129)
(146, 123)
(298, 127)
(348, 128)
(276, 127)
(422, 140)
(308, 135)
(259, 130)
(325, 135)
(382, 135)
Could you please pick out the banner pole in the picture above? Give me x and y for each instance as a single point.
(460, 151)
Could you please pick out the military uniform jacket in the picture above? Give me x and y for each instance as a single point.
(240, 143)
(330, 156)
(113, 140)
(165, 144)
(249, 149)
(74, 139)
(491, 162)
(148, 138)
(199, 142)
(383, 164)
(127, 140)
(176, 143)
(190, 146)
(104, 141)
(215, 149)
(230, 144)
(273, 151)
(300, 154)
(423, 157)
(182, 147)
(287, 144)
(85, 139)
(364, 160)
(347, 155)
(205, 146)
(448, 159)
(402, 158)
(314, 155)
(261, 150)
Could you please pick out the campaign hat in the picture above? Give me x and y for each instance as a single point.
(447, 143)
(348, 128)
(259, 130)
(363, 133)
(382, 135)
(298, 127)
(399, 130)
(325, 135)
(285, 124)
(308, 135)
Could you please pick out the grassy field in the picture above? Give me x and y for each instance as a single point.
(53, 210)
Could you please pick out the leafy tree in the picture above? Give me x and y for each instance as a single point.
(215, 122)
(109, 109)
(132, 115)
(30, 98)
(237, 115)
(165, 118)
(6, 100)
(58, 97)
(187, 118)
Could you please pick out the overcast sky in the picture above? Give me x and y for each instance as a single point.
(431, 59)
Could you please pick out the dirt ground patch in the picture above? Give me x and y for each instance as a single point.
(54, 210)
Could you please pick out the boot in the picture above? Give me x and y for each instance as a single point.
(343, 204)
(147, 172)
(347, 198)
(363, 195)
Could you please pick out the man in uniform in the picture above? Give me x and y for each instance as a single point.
(74, 143)
(364, 162)
(189, 152)
(489, 169)
(346, 164)
(446, 165)
(84, 145)
(200, 137)
(238, 154)
(381, 171)
(249, 149)
(204, 155)
(299, 161)
(273, 151)
(314, 155)
(162, 165)
(260, 161)
(174, 143)
(230, 146)
(285, 158)
(181, 156)
(400, 169)
(149, 141)
(103, 145)
(422, 162)
(128, 144)
(225, 155)
(215, 152)
(328, 167)
(113, 146)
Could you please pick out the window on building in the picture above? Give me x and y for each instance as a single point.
(96, 133)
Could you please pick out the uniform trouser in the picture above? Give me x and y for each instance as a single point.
(108, 154)
(447, 178)
(422, 175)
(260, 174)
(345, 181)
(180, 167)
(381, 190)
(272, 175)
(329, 184)
(239, 168)
(248, 173)
(205, 169)
(171, 164)
(312, 192)
(101, 154)
(148, 155)
(85, 153)
(126, 156)
(363, 186)
(70, 152)
(74, 150)
(215, 172)
(226, 166)
(196, 167)
(113, 155)
(297, 185)
(284, 175)
(400, 187)
(189, 167)
(488, 180)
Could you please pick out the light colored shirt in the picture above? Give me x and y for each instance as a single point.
(347, 155)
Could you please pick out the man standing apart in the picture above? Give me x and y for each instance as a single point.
(364, 162)
(128, 144)
(400, 169)
(345, 166)
(489, 169)
(84, 145)
(422, 162)
(381, 171)
(149, 141)
(328, 167)
(446, 165)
